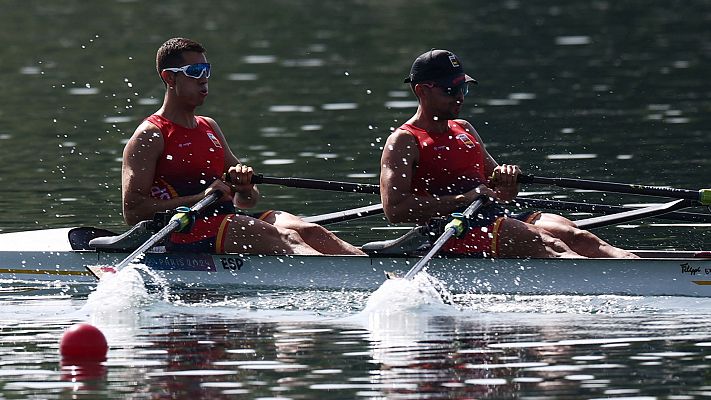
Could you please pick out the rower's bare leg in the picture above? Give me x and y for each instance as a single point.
(253, 236)
(581, 241)
(518, 239)
(314, 235)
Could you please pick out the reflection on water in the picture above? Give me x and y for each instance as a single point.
(495, 349)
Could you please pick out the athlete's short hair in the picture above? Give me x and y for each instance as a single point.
(170, 53)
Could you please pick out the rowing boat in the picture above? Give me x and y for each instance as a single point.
(63, 255)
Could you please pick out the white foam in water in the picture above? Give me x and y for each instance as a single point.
(395, 295)
(124, 290)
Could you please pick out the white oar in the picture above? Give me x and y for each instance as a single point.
(455, 227)
(609, 210)
(632, 215)
(345, 215)
(178, 222)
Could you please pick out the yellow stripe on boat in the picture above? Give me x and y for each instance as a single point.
(42, 272)
(703, 283)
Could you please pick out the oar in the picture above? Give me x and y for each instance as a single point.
(606, 209)
(631, 215)
(702, 196)
(345, 215)
(177, 222)
(330, 218)
(455, 227)
(317, 184)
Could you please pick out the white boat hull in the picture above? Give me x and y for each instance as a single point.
(675, 274)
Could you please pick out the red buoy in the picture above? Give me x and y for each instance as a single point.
(83, 342)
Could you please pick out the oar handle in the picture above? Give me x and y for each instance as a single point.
(701, 196)
(317, 184)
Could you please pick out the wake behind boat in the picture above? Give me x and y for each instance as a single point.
(63, 255)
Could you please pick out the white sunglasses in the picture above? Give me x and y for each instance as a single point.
(193, 70)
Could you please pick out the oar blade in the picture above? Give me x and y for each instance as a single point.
(100, 271)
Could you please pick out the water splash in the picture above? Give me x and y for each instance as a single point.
(126, 290)
(396, 295)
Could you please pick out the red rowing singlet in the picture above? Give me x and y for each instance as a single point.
(453, 163)
(449, 163)
(192, 158)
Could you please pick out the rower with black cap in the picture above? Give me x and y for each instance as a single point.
(436, 164)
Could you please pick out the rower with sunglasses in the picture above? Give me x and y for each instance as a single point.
(176, 158)
(436, 164)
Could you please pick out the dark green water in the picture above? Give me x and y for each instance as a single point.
(607, 90)
(312, 89)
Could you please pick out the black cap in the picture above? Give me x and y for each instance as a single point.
(439, 66)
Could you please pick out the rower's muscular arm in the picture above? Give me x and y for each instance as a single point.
(140, 157)
(400, 203)
(246, 194)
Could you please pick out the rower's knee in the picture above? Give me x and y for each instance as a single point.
(290, 235)
(310, 231)
(579, 238)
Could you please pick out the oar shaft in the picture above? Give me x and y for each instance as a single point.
(317, 184)
(206, 201)
(169, 228)
(605, 209)
(435, 248)
(345, 215)
(165, 231)
(632, 215)
(437, 245)
(627, 188)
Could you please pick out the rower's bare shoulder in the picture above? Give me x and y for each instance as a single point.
(146, 130)
(401, 146)
(401, 137)
(146, 137)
